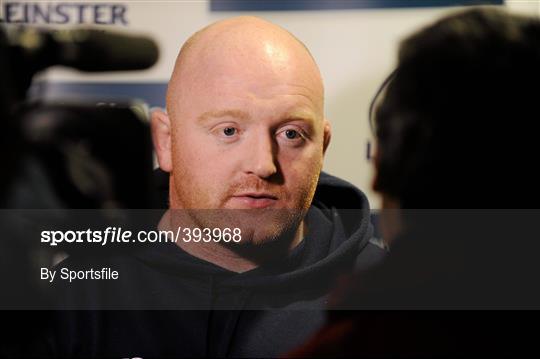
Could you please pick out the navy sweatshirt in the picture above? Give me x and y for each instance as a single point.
(167, 303)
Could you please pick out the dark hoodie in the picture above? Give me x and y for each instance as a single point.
(193, 308)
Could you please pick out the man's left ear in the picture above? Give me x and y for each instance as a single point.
(327, 135)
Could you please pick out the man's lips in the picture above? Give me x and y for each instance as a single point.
(255, 199)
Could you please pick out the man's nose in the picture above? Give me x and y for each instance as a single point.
(261, 157)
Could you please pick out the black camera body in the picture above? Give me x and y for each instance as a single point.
(95, 155)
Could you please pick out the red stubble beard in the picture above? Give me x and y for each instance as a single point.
(278, 221)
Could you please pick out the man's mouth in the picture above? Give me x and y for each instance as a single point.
(254, 200)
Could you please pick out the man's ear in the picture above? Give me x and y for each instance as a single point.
(327, 135)
(161, 136)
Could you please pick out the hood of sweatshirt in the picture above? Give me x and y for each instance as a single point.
(338, 239)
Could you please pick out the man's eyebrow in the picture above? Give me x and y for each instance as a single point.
(239, 114)
(303, 116)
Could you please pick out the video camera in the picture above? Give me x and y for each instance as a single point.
(64, 155)
(95, 154)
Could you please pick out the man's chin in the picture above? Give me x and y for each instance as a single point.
(254, 226)
(265, 234)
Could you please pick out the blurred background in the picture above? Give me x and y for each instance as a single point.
(354, 42)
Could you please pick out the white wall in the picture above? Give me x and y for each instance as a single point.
(355, 50)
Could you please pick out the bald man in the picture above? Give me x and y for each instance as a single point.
(245, 130)
(240, 147)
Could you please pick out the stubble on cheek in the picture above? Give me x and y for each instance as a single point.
(192, 192)
(196, 185)
(306, 191)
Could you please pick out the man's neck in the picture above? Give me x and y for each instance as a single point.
(225, 256)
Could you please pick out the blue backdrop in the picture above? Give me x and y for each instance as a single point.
(276, 5)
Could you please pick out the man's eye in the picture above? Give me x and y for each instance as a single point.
(292, 134)
(229, 131)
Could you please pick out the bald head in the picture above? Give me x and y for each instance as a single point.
(243, 46)
(245, 128)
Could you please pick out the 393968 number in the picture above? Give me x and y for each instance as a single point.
(208, 235)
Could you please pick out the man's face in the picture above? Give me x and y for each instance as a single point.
(249, 136)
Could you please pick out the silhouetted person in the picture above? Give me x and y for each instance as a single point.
(456, 147)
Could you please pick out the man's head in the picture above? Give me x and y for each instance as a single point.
(456, 127)
(245, 126)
